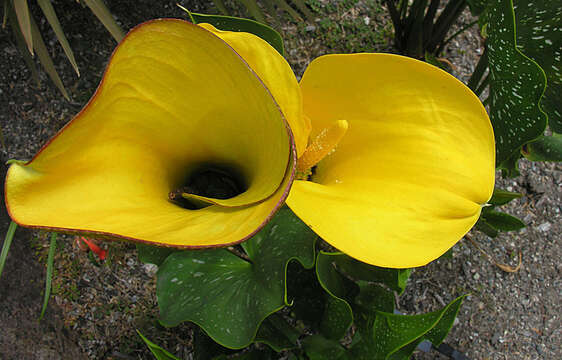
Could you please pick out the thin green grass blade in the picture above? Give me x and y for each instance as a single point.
(7, 243)
(478, 72)
(45, 59)
(448, 16)
(102, 13)
(50, 258)
(428, 21)
(53, 20)
(5, 16)
(24, 20)
(463, 29)
(221, 7)
(270, 9)
(283, 5)
(156, 350)
(253, 9)
(301, 5)
(22, 47)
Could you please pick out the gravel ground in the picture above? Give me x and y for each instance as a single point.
(95, 308)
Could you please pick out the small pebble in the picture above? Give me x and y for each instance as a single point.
(544, 226)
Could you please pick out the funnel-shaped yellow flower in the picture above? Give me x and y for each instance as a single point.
(400, 154)
(416, 164)
(176, 104)
(414, 160)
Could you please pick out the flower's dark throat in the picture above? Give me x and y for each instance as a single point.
(216, 182)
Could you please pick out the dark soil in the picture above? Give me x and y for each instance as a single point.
(95, 308)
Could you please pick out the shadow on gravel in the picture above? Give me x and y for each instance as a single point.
(22, 283)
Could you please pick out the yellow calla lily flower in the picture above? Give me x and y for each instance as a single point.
(176, 105)
(400, 155)
(412, 172)
(404, 153)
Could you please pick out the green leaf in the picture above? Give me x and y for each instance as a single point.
(320, 348)
(371, 298)
(510, 167)
(517, 85)
(539, 36)
(374, 297)
(253, 9)
(477, 7)
(49, 277)
(546, 148)
(6, 246)
(20, 42)
(102, 13)
(156, 255)
(53, 20)
(396, 336)
(226, 295)
(24, 20)
(243, 25)
(306, 295)
(275, 332)
(205, 348)
(486, 228)
(45, 58)
(156, 350)
(502, 197)
(502, 221)
(338, 315)
(396, 279)
(432, 59)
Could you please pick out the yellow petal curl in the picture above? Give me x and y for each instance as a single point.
(409, 178)
(174, 96)
(276, 74)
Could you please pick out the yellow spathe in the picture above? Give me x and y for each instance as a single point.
(174, 97)
(408, 179)
(412, 166)
(276, 74)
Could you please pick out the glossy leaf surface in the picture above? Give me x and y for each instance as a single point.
(516, 87)
(396, 336)
(539, 36)
(226, 295)
(244, 25)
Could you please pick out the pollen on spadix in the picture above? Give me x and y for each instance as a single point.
(322, 145)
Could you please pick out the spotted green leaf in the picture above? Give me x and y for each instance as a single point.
(545, 148)
(318, 347)
(517, 84)
(397, 336)
(395, 279)
(277, 333)
(227, 296)
(153, 254)
(539, 36)
(338, 315)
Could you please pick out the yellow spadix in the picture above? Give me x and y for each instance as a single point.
(175, 100)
